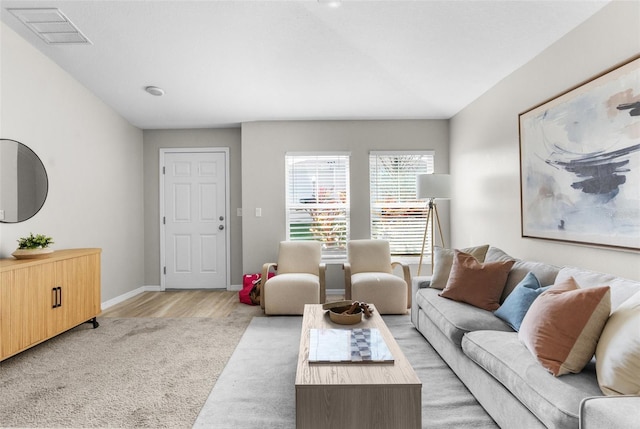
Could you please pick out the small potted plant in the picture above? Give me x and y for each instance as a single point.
(33, 246)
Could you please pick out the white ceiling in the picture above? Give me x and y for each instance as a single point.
(222, 63)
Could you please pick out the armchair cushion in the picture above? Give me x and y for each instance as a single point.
(299, 257)
(300, 278)
(369, 256)
(387, 291)
(369, 277)
(288, 293)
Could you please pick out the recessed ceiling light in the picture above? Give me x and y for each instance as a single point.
(50, 25)
(331, 3)
(154, 90)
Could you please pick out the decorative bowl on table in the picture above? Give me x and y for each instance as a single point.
(344, 312)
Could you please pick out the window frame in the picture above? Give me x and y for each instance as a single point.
(413, 215)
(339, 208)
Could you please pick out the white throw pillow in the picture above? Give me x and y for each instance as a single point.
(618, 350)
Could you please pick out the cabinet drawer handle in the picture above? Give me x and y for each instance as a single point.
(56, 295)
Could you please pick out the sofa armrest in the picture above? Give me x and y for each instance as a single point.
(620, 412)
(417, 283)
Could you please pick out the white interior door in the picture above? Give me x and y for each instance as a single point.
(194, 220)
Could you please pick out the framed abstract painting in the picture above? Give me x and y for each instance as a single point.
(580, 163)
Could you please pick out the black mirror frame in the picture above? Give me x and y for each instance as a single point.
(46, 177)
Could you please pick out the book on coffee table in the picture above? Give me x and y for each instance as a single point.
(348, 346)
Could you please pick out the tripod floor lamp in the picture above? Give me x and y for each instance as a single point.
(431, 187)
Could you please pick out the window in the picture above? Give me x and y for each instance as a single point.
(317, 193)
(396, 215)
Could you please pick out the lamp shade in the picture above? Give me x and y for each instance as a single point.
(432, 186)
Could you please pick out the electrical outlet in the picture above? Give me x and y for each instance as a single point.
(258, 212)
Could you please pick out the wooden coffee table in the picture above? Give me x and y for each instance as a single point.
(353, 395)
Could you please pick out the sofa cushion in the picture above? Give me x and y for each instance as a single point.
(443, 260)
(476, 283)
(610, 412)
(563, 325)
(516, 305)
(546, 273)
(497, 254)
(454, 318)
(618, 350)
(553, 400)
(621, 288)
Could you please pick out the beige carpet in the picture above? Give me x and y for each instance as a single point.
(158, 373)
(128, 373)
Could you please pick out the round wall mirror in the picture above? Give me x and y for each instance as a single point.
(23, 182)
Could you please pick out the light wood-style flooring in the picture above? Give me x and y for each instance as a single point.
(172, 303)
(214, 304)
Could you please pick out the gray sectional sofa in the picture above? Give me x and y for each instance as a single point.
(503, 375)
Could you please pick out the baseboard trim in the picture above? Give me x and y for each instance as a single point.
(130, 294)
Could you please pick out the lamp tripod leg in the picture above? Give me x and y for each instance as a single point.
(424, 237)
(435, 208)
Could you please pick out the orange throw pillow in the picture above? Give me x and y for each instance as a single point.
(563, 325)
(477, 284)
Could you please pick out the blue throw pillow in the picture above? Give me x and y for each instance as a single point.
(518, 302)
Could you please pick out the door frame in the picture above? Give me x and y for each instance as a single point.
(208, 149)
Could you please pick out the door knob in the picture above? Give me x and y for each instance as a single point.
(221, 227)
(221, 218)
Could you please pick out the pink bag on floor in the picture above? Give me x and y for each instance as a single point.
(250, 293)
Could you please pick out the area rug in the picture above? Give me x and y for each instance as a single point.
(257, 387)
(128, 373)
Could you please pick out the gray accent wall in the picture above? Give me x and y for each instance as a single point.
(264, 145)
(485, 143)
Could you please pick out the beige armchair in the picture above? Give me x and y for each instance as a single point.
(369, 277)
(299, 278)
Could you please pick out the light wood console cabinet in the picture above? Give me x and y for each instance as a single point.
(41, 298)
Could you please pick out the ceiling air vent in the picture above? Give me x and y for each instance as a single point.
(50, 25)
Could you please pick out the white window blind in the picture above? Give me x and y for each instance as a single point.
(396, 215)
(318, 201)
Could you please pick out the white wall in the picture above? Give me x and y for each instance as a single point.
(93, 159)
(264, 145)
(154, 140)
(485, 146)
